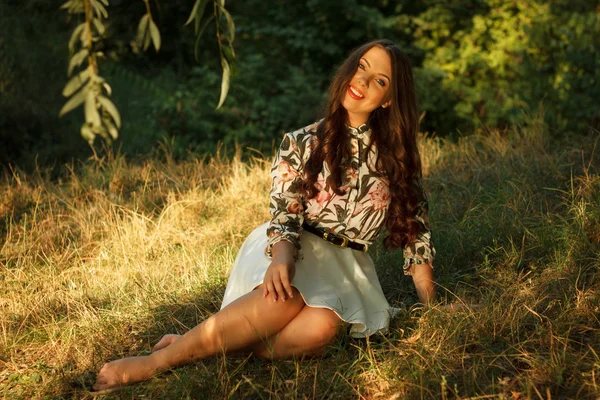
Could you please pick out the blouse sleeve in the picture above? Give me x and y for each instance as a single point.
(421, 251)
(286, 202)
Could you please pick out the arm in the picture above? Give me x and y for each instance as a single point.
(281, 271)
(419, 255)
(286, 202)
(286, 207)
(422, 275)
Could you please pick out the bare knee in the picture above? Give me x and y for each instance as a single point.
(323, 331)
(323, 335)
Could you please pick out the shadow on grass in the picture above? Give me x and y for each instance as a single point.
(232, 376)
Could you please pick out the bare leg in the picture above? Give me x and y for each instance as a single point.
(244, 322)
(307, 334)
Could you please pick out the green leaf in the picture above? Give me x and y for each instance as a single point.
(141, 31)
(77, 59)
(73, 7)
(87, 134)
(155, 34)
(227, 52)
(111, 109)
(98, 79)
(196, 46)
(75, 35)
(146, 41)
(92, 116)
(102, 132)
(107, 87)
(99, 26)
(199, 15)
(105, 2)
(224, 81)
(196, 14)
(76, 82)
(112, 130)
(230, 24)
(193, 13)
(74, 102)
(99, 8)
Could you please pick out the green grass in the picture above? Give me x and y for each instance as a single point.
(102, 262)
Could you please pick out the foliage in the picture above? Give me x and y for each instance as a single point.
(482, 63)
(87, 87)
(147, 31)
(225, 38)
(494, 61)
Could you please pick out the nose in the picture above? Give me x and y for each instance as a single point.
(362, 81)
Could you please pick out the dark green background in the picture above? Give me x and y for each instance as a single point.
(477, 64)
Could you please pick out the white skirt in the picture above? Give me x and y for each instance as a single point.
(342, 280)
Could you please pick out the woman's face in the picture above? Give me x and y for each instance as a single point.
(369, 87)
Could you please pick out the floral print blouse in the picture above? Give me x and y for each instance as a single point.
(359, 214)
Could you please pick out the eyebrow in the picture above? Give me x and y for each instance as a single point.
(369, 64)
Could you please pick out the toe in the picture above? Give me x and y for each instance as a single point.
(157, 346)
(103, 369)
(100, 383)
(104, 385)
(165, 341)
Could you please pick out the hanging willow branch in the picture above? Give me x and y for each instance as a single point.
(225, 35)
(147, 31)
(87, 87)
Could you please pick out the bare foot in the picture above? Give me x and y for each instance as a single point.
(123, 372)
(165, 341)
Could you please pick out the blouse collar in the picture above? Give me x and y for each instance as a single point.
(363, 130)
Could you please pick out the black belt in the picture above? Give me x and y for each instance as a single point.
(335, 239)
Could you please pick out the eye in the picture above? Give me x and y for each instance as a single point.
(361, 66)
(381, 82)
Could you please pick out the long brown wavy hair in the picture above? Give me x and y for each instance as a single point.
(394, 131)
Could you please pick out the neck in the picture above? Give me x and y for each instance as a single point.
(356, 120)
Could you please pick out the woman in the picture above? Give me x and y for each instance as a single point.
(336, 183)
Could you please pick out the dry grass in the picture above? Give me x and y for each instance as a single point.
(100, 263)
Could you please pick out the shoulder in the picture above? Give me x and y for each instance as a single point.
(304, 134)
(301, 139)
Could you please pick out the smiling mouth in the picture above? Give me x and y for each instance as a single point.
(355, 93)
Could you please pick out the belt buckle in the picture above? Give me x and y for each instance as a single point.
(344, 240)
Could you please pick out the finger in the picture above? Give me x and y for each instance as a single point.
(272, 290)
(285, 282)
(279, 288)
(266, 281)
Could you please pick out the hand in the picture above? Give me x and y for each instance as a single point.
(281, 272)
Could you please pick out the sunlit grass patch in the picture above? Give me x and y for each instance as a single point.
(102, 261)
